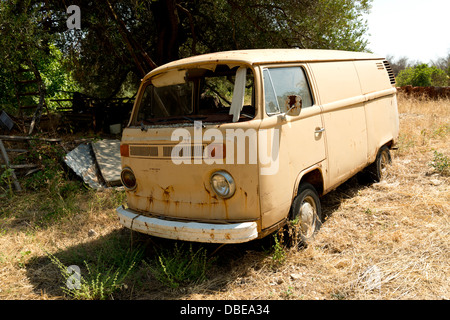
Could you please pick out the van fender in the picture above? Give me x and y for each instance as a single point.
(387, 141)
(312, 175)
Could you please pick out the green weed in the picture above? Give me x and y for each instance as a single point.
(179, 266)
(278, 251)
(440, 163)
(98, 282)
(6, 178)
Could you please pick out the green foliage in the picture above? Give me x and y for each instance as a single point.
(440, 163)
(162, 30)
(100, 280)
(56, 76)
(178, 266)
(25, 36)
(51, 182)
(6, 178)
(422, 76)
(278, 251)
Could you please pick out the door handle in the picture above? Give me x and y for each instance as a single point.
(319, 130)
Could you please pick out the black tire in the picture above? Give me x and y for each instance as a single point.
(305, 217)
(376, 172)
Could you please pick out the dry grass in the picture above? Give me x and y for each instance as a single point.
(389, 240)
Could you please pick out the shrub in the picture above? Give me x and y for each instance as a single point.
(441, 163)
(101, 280)
(422, 76)
(175, 267)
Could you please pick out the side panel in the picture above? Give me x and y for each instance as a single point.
(344, 119)
(381, 112)
(336, 81)
(382, 124)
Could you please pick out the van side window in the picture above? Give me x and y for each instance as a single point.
(279, 83)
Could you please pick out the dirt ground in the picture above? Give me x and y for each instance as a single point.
(389, 240)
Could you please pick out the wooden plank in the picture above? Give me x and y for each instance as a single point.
(24, 138)
(6, 159)
(23, 166)
(17, 150)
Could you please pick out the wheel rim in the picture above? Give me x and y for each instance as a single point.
(384, 161)
(308, 211)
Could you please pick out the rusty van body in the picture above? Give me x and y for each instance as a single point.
(228, 147)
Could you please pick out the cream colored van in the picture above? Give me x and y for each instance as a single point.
(231, 146)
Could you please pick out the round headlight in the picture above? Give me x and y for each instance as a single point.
(128, 178)
(223, 184)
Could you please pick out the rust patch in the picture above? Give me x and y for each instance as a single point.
(245, 198)
(206, 189)
(166, 193)
(149, 202)
(225, 204)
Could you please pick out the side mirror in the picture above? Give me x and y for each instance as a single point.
(293, 106)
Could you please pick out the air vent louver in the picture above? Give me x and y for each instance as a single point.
(389, 71)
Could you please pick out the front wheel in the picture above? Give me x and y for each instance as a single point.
(305, 216)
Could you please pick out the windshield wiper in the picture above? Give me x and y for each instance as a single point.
(193, 120)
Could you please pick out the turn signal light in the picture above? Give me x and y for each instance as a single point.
(124, 150)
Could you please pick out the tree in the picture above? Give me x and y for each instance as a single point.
(119, 38)
(422, 76)
(26, 37)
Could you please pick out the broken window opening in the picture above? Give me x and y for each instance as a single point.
(217, 95)
(280, 84)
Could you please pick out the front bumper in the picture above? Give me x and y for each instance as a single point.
(188, 231)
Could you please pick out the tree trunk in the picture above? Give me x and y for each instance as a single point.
(167, 26)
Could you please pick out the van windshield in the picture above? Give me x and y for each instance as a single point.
(224, 94)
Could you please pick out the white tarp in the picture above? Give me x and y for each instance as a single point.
(97, 163)
(107, 154)
(82, 161)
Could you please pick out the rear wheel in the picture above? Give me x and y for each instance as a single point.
(377, 171)
(305, 216)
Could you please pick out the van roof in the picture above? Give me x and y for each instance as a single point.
(265, 56)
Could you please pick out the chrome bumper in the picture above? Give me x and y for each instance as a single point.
(188, 231)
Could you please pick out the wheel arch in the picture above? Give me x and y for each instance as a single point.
(312, 176)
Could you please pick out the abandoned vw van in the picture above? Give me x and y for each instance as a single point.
(231, 146)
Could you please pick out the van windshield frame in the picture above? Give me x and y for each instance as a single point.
(196, 94)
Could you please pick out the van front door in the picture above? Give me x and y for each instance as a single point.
(299, 137)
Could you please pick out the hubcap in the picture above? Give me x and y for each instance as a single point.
(307, 217)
